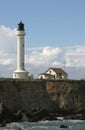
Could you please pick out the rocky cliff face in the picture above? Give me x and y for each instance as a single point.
(67, 95)
(50, 94)
(24, 94)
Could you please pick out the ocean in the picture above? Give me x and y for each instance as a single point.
(46, 125)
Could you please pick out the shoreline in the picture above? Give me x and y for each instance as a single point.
(34, 115)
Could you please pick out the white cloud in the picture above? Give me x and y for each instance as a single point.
(7, 39)
(7, 51)
(74, 57)
(46, 57)
(50, 51)
(6, 58)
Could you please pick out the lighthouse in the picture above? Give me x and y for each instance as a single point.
(20, 72)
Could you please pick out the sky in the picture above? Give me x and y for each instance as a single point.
(55, 36)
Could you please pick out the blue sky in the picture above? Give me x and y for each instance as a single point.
(48, 24)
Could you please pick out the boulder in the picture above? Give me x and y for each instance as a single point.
(64, 126)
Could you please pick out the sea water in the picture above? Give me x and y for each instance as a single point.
(46, 125)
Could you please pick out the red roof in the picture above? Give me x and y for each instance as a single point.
(58, 71)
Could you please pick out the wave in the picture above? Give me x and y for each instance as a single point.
(75, 121)
(45, 125)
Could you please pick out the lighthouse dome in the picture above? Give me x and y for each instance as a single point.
(20, 26)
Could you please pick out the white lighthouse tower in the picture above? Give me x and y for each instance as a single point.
(20, 72)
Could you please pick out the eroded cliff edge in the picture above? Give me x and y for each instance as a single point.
(53, 95)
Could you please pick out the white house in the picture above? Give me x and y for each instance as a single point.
(54, 73)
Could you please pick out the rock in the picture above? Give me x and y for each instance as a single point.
(36, 114)
(75, 117)
(43, 114)
(21, 115)
(64, 126)
(2, 124)
(5, 114)
(40, 114)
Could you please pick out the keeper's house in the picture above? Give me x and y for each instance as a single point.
(54, 73)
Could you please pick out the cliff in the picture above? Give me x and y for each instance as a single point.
(50, 94)
(67, 95)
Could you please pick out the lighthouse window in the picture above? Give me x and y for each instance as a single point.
(23, 45)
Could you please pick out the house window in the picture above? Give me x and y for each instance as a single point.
(60, 75)
(50, 71)
(41, 77)
(54, 76)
